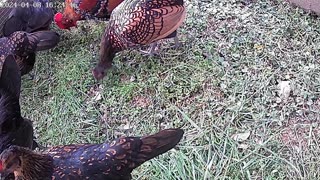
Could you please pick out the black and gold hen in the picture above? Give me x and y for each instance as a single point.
(14, 130)
(23, 46)
(114, 161)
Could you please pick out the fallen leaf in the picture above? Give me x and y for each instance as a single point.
(132, 78)
(241, 136)
(127, 126)
(258, 47)
(243, 146)
(284, 89)
(97, 97)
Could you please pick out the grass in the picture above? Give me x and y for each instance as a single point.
(221, 84)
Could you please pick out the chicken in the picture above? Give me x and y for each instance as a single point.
(14, 130)
(138, 22)
(38, 16)
(88, 161)
(4, 13)
(24, 45)
(76, 10)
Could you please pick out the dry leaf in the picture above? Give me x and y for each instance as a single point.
(258, 47)
(241, 136)
(97, 97)
(284, 89)
(243, 146)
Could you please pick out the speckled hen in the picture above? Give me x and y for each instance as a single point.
(138, 22)
(112, 161)
(23, 46)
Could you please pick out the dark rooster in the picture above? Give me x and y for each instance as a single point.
(14, 130)
(24, 45)
(113, 161)
(76, 10)
(37, 16)
(138, 22)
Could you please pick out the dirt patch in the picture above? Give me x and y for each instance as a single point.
(303, 131)
(141, 101)
(300, 133)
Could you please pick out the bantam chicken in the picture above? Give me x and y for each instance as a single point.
(14, 130)
(37, 16)
(24, 45)
(114, 161)
(138, 22)
(76, 10)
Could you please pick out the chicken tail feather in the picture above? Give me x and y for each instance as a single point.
(131, 152)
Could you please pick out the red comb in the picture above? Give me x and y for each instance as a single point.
(58, 20)
(58, 16)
